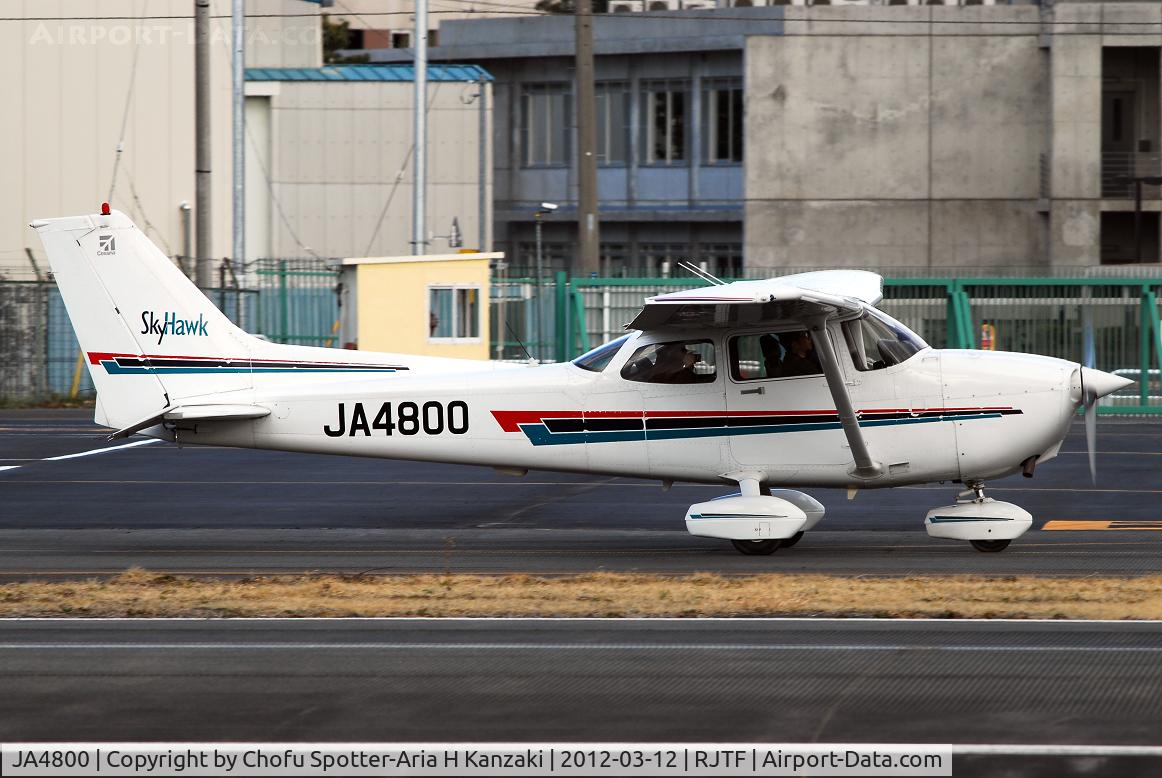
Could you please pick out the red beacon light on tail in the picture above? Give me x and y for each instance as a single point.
(105, 209)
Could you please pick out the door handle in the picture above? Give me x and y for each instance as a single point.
(756, 390)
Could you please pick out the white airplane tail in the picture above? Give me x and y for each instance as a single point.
(152, 341)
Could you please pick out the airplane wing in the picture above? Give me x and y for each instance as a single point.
(748, 302)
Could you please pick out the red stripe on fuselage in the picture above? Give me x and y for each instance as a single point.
(510, 421)
(96, 357)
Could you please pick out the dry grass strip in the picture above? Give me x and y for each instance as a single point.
(145, 594)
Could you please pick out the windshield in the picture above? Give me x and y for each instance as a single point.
(597, 359)
(876, 341)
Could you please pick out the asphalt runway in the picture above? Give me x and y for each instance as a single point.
(234, 512)
(1012, 684)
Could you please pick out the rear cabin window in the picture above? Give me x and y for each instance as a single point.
(773, 355)
(673, 362)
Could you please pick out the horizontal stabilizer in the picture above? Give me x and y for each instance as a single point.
(195, 413)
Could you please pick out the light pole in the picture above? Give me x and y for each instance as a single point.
(543, 211)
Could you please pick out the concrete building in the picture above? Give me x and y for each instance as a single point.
(104, 110)
(79, 89)
(390, 24)
(330, 160)
(926, 137)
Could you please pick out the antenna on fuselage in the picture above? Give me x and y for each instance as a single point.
(705, 276)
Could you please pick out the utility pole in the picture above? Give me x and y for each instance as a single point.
(483, 163)
(203, 273)
(588, 229)
(420, 121)
(239, 19)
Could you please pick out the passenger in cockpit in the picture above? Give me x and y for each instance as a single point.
(800, 358)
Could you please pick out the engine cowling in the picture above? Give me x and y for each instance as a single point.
(746, 518)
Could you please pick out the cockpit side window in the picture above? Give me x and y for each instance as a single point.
(598, 359)
(673, 362)
(773, 355)
(876, 341)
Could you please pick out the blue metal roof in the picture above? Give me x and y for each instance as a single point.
(369, 73)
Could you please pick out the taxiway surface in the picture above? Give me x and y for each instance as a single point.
(1006, 683)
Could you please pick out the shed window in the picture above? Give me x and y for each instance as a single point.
(453, 313)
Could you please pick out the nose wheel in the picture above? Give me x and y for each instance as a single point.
(987, 524)
(757, 547)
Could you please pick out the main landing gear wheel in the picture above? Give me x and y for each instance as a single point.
(757, 547)
(990, 546)
(788, 542)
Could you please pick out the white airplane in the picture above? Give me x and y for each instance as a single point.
(765, 385)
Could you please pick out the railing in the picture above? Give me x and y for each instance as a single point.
(297, 301)
(1119, 167)
(40, 351)
(1032, 315)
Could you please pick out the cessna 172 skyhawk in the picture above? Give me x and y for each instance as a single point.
(786, 382)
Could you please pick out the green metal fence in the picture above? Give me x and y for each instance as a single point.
(1032, 315)
(297, 301)
(39, 348)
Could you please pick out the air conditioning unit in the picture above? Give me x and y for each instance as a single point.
(690, 5)
(626, 6)
(663, 5)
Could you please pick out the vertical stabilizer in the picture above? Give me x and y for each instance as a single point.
(133, 311)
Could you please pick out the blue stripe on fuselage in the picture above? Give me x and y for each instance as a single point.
(539, 435)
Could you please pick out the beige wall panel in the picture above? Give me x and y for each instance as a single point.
(838, 117)
(1075, 79)
(821, 234)
(976, 234)
(989, 117)
(1075, 233)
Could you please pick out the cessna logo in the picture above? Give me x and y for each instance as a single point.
(106, 246)
(170, 324)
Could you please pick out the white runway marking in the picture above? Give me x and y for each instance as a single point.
(134, 444)
(9, 467)
(757, 647)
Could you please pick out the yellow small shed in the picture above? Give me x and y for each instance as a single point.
(435, 305)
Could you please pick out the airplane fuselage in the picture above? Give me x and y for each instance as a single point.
(941, 415)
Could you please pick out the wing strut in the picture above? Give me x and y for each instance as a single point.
(865, 466)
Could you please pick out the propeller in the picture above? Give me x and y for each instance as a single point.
(1089, 396)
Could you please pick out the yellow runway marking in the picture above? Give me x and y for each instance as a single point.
(1102, 525)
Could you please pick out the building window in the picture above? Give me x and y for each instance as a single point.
(453, 313)
(545, 113)
(554, 256)
(614, 260)
(723, 260)
(664, 122)
(612, 123)
(661, 259)
(401, 40)
(722, 121)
